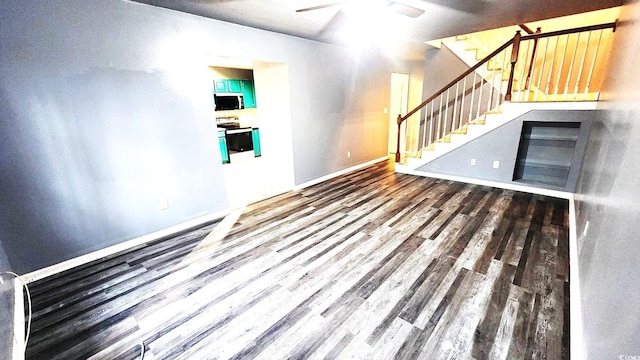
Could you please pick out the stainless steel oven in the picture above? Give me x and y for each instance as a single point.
(240, 139)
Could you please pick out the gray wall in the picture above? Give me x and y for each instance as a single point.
(106, 110)
(502, 144)
(440, 67)
(609, 253)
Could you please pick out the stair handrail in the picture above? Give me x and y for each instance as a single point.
(401, 118)
(514, 56)
(611, 25)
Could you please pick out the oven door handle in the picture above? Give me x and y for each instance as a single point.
(239, 131)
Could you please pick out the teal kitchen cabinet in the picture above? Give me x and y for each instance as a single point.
(220, 86)
(224, 150)
(255, 138)
(244, 87)
(227, 86)
(249, 94)
(235, 86)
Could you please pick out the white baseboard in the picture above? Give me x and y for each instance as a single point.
(83, 259)
(18, 321)
(516, 187)
(80, 260)
(575, 299)
(341, 172)
(576, 341)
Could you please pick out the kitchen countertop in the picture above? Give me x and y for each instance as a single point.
(234, 123)
(235, 128)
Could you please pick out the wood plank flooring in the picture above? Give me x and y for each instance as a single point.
(369, 265)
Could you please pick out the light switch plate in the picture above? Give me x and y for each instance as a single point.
(472, 162)
(496, 164)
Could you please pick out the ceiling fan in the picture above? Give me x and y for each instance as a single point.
(468, 6)
(363, 9)
(397, 7)
(348, 10)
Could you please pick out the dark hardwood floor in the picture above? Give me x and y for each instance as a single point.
(369, 265)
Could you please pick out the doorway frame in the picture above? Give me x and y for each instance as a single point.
(398, 105)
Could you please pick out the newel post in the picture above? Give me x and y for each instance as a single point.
(398, 141)
(514, 59)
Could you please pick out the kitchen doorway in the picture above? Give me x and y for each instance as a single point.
(249, 178)
(398, 105)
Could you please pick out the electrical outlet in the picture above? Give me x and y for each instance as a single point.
(164, 204)
(386, 110)
(496, 164)
(348, 154)
(472, 162)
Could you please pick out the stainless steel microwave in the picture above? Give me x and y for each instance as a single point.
(228, 101)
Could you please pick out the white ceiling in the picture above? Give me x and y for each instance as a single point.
(442, 18)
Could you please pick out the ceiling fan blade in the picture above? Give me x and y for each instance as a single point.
(321, 6)
(406, 10)
(399, 8)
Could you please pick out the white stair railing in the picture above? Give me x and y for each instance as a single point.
(564, 65)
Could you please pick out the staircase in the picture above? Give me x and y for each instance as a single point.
(555, 70)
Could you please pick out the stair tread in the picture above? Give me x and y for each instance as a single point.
(489, 72)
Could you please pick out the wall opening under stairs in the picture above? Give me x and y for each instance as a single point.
(475, 159)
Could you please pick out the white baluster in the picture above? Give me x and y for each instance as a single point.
(464, 90)
(573, 59)
(584, 57)
(544, 60)
(455, 107)
(431, 125)
(523, 66)
(446, 114)
(593, 63)
(553, 62)
(482, 79)
(473, 90)
(564, 55)
(439, 119)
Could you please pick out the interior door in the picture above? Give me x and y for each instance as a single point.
(397, 105)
